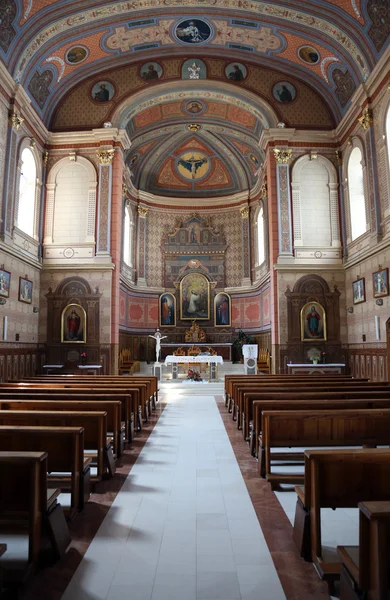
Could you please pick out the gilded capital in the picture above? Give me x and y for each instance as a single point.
(282, 157)
(367, 119)
(244, 210)
(105, 157)
(15, 121)
(124, 190)
(143, 211)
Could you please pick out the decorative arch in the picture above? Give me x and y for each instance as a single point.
(28, 143)
(79, 169)
(355, 142)
(324, 228)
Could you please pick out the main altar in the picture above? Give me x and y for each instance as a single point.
(196, 335)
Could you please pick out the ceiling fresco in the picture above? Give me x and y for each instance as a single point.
(51, 46)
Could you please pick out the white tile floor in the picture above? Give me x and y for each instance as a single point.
(183, 526)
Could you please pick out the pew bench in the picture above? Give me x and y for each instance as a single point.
(336, 479)
(318, 429)
(29, 515)
(365, 568)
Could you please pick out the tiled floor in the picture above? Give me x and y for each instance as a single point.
(183, 526)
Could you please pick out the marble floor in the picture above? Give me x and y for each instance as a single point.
(187, 517)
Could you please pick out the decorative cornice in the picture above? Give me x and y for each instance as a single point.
(367, 119)
(282, 157)
(15, 121)
(143, 211)
(244, 210)
(105, 156)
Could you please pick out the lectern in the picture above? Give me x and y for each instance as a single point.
(250, 352)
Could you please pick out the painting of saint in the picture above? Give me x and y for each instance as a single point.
(167, 310)
(236, 72)
(151, 71)
(359, 291)
(284, 92)
(103, 91)
(193, 31)
(380, 283)
(222, 310)
(5, 280)
(76, 55)
(73, 324)
(313, 322)
(309, 55)
(194, 297)
(25, 290)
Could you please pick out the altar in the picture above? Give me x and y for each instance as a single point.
(223, 350)
(212, 360)
(316, 369)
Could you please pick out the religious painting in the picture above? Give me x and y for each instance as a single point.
(380, 283)
(309, 55)
(194, 68)
(103, 91)
(25, 290)
(193, 31)
(76, 55)
(5, 281)
(74, 324)
(194, 107)
(193, 165)
(222, 310)
(151, 71)
(194, 297)
(359, 291)
(236, 72)
(167, 305)
(284, 92)
(313, 322)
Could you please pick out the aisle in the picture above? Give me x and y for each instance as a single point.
(183, 526)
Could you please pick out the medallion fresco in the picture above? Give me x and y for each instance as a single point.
(193, 165)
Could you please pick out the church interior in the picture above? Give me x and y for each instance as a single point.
(194, 189)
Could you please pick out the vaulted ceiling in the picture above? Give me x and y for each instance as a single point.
(131, 63)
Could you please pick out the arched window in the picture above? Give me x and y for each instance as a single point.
(387, 126)
(357, 207)
(260, 237)
(127, 238)
(27, 193)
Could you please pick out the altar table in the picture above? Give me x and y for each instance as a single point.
(213, 361)
(319, 369)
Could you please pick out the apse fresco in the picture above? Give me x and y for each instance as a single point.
(193, 165)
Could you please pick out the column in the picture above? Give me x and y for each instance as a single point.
(105, 157)
(283, 158)
(141, 254)
(366, 121)
(246, 252)
(343, 212)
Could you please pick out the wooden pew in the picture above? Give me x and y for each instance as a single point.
(130, 401)
(316, 400)
(69, 402)
(65, 449)
(365, 568)
(336, 479)
(28, 507)
(246, 397)
(321, 428)
(96, 446)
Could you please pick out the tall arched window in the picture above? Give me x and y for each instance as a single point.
(260, 237)
(357, 206)
(388, 134)
(127, 238)
(27, 193)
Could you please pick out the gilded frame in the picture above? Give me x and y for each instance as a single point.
(222, 312)
(5, 283)
(380, 283)
(167, 314)
(194, 297)
(313, 329)
(73, 334)
(25, 290)
(359, 291)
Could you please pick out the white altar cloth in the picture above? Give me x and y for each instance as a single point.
(193, 359)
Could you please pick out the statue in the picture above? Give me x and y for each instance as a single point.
(158, 337)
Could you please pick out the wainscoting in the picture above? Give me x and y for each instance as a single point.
(17, 362)
(369, 361)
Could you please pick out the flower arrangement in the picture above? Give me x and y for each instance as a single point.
(193, 375)
(314, 354)
(83, 357)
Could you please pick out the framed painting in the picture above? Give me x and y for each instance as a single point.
(194, 297)
(167, 310)
(25, 290)
(359, 291)
(313, 322)
(380, 283)
(222, 310)
(74, 324)
(5, 281)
